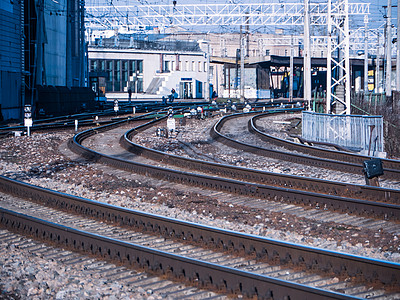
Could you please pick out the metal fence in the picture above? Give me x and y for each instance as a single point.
(355, 132)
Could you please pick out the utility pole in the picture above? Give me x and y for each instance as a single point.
(307, 55)
(291, 70)
(366, 56)
(242, 49)
(377, 78)
(207, 89)
(389, 50)
(398, 50)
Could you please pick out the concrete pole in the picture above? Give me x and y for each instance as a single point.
(307, 55)
(389, 50)
(398, 49)
(377, 78)
(242, 49)
(291, 69)
(366, 92)
(207, 89)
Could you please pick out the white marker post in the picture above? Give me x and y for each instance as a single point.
(116, 108)
(28, 118)
(76, 125)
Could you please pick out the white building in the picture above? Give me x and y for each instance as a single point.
(151, 69)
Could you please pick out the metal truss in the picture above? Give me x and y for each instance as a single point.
(338, 57)
(115, 16)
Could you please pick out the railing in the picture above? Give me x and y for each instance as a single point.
(356, 132)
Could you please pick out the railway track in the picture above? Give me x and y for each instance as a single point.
(362, 291)
(336, 160)
(100, 279)
(140, 168)
(160, 244)
(293, 189)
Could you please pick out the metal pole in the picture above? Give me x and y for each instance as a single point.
(366, 91)
(291, 70)
(398, 49)
(242, 47)
(329, 61)
(347, 59)
(307, 55)
(389, 50)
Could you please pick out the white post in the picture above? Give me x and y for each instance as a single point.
(389, 50)
(377, 78)
(366, 91)
(291, 70)
(76, 125)
(307, 55)
(347, 59)
(329, 61)
(242, 49)
(207, 89)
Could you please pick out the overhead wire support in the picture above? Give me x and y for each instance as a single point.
(253, 14)
(338, 58)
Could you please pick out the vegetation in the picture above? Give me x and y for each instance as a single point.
(389, 108)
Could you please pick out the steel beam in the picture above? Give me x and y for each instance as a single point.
(134, 17)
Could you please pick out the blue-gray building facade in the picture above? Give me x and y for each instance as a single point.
(42, 45)
(11, 58)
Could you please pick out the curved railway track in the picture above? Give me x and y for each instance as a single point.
(391, 166)
(324, 158)
(247, 276)
(292, 189)
(231, 278)
(161, 173)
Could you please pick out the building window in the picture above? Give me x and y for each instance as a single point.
(267, 52)
(125, 77)
(109, 79)
(93, 65)
(167, 66)
(117, 75)
(140, 85)
(193, 66)
(132, 69)
(140, 66)
(102, 65)
(135, 70)
(199, 66)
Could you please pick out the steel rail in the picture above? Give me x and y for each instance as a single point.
(341, 204)
(391, 166)
(370, 270)
(269, 178)
(292, 157)
(196, 271)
